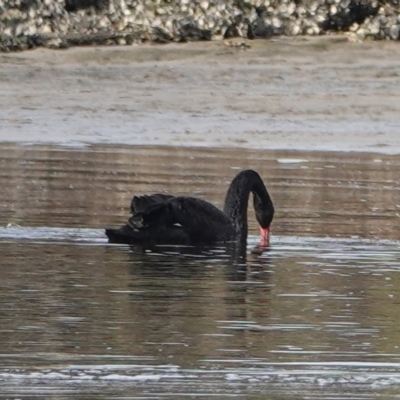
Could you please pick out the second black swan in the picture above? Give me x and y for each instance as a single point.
(162, 219)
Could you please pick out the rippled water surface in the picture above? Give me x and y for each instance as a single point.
(315, 317)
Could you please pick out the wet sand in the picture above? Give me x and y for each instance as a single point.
(305, 94)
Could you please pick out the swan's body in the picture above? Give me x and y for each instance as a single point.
(164, 219)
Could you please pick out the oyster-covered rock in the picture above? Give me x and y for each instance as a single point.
(60, 23)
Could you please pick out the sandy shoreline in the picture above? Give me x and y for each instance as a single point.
(305, 94)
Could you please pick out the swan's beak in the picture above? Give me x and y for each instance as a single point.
(264, 236)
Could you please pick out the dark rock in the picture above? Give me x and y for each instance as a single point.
(232, 31)
(189, 32)
(130, 38)
(259, 29)
(74, 5)
(27, 5)
(261, 11)
(161, 36)
(36, 41)
(357, 11)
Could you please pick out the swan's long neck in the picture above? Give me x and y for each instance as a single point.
(237, 199)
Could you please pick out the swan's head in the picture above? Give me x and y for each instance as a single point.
(264, 210)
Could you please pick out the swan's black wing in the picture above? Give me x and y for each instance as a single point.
(198, 220)
(127, 233)
(140, 203)
(178, 220)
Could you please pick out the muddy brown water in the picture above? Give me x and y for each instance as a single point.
(314, 317)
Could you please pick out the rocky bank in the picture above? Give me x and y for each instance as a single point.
(27, 24)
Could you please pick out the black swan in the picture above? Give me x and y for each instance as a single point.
(162, 219)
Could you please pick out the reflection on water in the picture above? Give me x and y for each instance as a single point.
(315, 316)
(320, 194)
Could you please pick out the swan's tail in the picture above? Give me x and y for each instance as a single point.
(124, 235)
(114, 236)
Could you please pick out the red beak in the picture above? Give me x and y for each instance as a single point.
(264, 236)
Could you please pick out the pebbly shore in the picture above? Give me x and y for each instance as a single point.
(26, 24)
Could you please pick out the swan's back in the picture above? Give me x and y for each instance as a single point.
(140, 203)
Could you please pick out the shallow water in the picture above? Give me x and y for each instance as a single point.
(314, 317)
